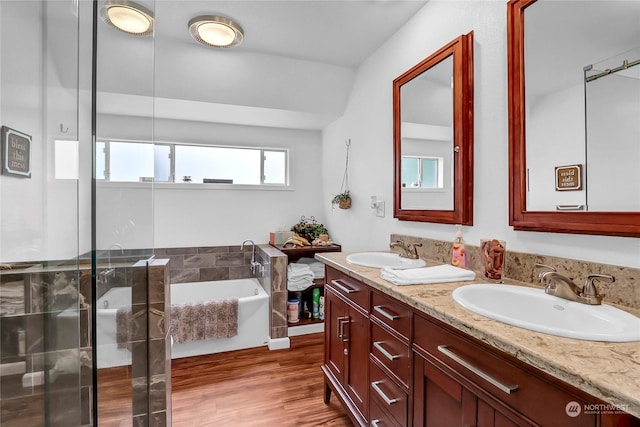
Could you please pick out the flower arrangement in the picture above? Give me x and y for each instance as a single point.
(309, 228)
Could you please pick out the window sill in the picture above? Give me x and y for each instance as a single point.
(191, 186)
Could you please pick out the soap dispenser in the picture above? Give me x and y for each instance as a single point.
(459, 253)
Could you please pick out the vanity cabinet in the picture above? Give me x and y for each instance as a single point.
(390, 361)
(458, 381)
(346, 359)
(393, 365)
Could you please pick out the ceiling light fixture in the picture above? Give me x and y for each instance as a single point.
(128, 17)
(216, 31)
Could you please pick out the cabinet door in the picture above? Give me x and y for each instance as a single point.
(357, 350)
(335, 328)
(441, 401)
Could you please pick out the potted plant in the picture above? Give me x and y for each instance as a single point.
(309, 228)
(343, 200)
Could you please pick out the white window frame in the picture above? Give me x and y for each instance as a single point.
(172, 178)
(439, 172)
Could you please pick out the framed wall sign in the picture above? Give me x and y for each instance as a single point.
(569, 178)
(16, 153)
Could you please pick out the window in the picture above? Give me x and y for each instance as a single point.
(123, 161)
(422, 172)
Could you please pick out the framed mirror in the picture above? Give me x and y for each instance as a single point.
(574, 138)
(433, 137)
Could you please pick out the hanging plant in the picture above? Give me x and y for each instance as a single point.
(343, 199)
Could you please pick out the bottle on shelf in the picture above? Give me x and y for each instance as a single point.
(316, 303)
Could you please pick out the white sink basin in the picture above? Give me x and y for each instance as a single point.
(384, 259)
(533, 309)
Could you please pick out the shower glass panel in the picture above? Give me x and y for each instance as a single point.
(123, 218)
(45, 285)
(612, 103)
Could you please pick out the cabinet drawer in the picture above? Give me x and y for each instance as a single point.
(350, 288)
(387, 394)
(522, 388)
(379, 416)
(391, 352)
(391, 312)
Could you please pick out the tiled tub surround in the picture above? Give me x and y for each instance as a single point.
(520, 267)
(201, 264)
(607, 371)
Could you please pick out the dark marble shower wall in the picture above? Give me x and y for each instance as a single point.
(51, 303)
(48, 301)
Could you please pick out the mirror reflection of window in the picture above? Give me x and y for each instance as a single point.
(422, 172)
(427, 138)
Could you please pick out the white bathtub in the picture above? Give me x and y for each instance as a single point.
(253, 318)
(253, 314)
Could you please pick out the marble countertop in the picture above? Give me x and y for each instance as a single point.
(607, 371)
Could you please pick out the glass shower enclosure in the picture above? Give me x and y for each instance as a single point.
(68, 239)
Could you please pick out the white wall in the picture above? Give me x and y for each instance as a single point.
(135, 215)
(368, 122)
(556, 123)
(39, 215)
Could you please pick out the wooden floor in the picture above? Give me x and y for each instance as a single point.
(254, 387)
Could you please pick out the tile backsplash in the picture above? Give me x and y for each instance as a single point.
(520, 266)
(200, 264)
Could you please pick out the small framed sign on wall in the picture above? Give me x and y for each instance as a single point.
(16, 153)
(569, 178)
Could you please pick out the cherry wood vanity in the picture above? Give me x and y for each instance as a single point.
(395, 363)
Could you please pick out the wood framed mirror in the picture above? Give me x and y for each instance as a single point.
(541, 151)
(433, 137)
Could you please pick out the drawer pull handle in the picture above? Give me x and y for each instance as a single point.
(342, 287)
(381, 349)
(506, 388)
(381, 310)
(384, 397)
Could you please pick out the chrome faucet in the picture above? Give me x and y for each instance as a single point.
(561, 286)
(255, 266)
(407, 250)
(110, 271)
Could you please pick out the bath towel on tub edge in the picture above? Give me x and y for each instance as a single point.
(203, 321)
(123, 328)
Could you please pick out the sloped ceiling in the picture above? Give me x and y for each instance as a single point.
(294, 69)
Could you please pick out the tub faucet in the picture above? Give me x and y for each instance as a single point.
(407, 250)
(110, 271)
(255, 266)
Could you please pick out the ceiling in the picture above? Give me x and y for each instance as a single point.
(342, 33)
(297, 61)
(597, 33)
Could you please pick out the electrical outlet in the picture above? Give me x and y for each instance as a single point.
(380, 209)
